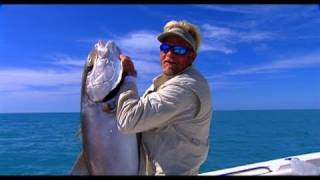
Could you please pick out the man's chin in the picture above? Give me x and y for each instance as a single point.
(167, 72)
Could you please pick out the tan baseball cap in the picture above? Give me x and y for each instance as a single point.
(176, 31)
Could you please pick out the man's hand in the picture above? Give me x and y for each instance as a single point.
(128, 67)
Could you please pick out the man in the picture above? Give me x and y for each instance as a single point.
(173, 116)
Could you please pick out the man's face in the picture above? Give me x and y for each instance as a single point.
(172, 63)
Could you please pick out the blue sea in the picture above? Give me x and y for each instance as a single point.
(47, 143)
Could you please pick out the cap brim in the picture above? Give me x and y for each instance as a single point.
(163, 35)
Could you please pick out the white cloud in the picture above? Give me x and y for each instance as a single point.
(219, 47)
(253, 9)
(63, 99)
(216, 38)
(305, 61)
(275, 18)
(17, 79)
(46, 89)
(64, 78)
(143, 48)
(140, 41)
(218, 33)
(260, 23)
(243, 9)
(233, 36)
(133, 42)
(227, 84)
(66, 60)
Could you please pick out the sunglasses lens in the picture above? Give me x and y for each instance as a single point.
(164, 48)
(180, 50)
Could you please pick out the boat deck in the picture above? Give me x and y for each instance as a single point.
(305, 164)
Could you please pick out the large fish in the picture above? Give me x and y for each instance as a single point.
(106, 151)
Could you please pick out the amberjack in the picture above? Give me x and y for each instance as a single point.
(106, 150)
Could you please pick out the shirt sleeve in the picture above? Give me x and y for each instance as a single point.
(136, 114)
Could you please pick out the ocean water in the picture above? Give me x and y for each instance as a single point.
(47, 143)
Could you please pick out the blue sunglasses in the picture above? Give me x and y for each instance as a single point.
(179, 50)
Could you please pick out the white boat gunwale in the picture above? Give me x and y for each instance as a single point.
(281, 166)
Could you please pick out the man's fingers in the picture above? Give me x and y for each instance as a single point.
(123, 57)
(127, 64)
(120, 57)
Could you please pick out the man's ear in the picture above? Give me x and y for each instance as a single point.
(193, 56)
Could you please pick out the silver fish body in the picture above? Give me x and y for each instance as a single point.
(106, 151)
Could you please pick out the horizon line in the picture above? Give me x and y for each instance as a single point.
(281, 109)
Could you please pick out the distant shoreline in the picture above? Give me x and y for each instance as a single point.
(214, 111)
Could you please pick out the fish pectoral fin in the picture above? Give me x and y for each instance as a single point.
(80, 167)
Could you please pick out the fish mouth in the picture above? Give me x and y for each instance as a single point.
(106, 73)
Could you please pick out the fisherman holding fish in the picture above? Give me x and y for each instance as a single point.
(173, 116)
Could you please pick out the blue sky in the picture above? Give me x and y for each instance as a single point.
(254, 56)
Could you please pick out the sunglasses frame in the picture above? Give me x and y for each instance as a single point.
(172, 48)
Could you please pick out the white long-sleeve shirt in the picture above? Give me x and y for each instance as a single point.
(173, 117)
